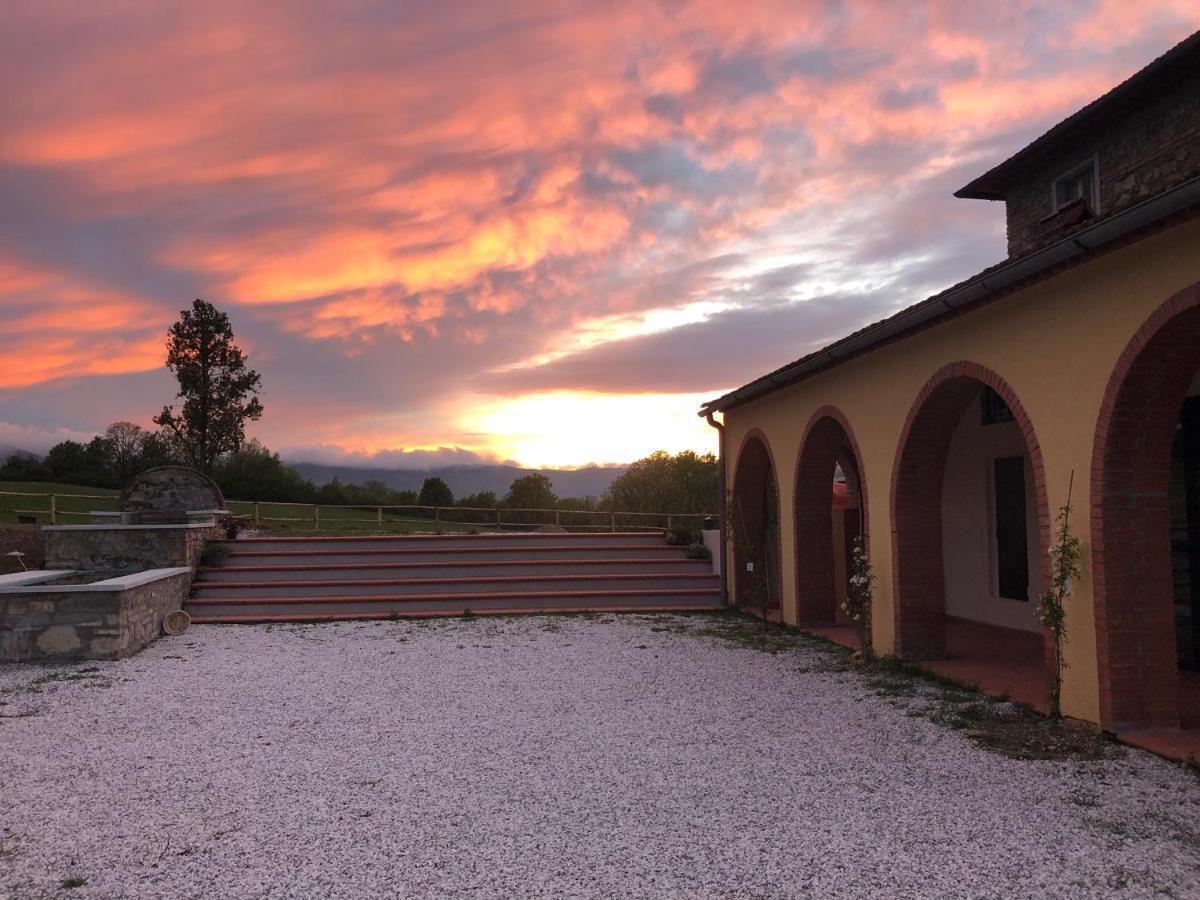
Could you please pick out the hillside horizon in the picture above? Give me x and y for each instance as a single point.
(461, 478)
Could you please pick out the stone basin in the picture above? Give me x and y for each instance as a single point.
(86, 614)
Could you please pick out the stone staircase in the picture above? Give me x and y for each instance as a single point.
(276, 579)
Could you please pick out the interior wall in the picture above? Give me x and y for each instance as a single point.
(969, 525)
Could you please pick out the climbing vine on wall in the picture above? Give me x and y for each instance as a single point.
(860, 594)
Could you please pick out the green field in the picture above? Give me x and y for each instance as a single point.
(74, 505)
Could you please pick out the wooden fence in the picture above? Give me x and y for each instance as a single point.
(60, 508)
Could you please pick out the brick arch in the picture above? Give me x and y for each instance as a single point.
(916, 502)
(828, 440)
(1131, 553)
(754, 472)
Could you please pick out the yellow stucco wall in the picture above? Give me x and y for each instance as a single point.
(1055, 343)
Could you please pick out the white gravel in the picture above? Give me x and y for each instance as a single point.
(543, 757)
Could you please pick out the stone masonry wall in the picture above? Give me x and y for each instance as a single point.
(1151, 149)
(27, 539)
(126, 548)
(86, 624)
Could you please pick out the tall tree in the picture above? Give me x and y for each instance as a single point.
(74, 463)
(435, 492)
(125, 441)
(532, 491)
(252, 472)
(157, 450)
(218, 391)
(660, 482)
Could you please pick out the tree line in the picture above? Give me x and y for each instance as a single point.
(661, 482)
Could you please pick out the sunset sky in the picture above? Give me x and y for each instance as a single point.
(537, 231)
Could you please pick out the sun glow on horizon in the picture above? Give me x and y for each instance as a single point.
(559, 429)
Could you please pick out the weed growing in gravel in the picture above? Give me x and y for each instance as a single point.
(72, 881)
(1086, 799)
(993, 723)
(56, 677)
(741, 630)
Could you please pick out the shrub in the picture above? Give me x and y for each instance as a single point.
(860, 594)
(681, 536)
(214, 554)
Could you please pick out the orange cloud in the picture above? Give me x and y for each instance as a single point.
(479, 185)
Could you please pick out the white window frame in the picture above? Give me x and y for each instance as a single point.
(1093, 163)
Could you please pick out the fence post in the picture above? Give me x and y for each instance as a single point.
(612, 520)
(558, 518)
(437, 518)
(53, 509)
(316, 517)
(257, 514)
(499, 524)
(669, 517)
(379, 515)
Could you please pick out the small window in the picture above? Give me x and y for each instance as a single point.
(993, 408)
(1079, 183)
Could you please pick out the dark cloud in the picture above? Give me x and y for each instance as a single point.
(735, 76)
(728, 348)
(672, 165)
(908, 97)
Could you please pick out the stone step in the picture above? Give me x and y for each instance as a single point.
(409, 613)
(453, 568)
(254, 608)
(206, 590)
(350, 554)
(443, 541)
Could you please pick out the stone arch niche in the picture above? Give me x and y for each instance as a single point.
(1133, 582)
(828, 445)
(166, 494)
(918, 558)
(753, 523)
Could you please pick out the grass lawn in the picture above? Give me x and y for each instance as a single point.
(75, 504)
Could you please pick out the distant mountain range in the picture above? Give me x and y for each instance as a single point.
(591, 481)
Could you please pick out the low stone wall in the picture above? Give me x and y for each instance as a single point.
(104, 620)
(127, 547)
(25, 538)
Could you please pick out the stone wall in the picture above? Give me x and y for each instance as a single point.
(1149, 150)
(92, 622)
(126, 547)
(27, 539)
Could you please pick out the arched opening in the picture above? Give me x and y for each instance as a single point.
(1146, 526)
(754, 528)
(970, 533)
(830, 513)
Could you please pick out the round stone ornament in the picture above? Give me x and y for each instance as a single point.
(176, 623)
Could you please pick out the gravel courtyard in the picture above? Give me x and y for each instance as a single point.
(544, 757)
